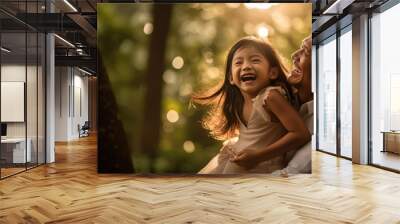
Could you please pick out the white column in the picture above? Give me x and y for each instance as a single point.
(314, 91)
(360, 90)
(50, 99)
(50, 93)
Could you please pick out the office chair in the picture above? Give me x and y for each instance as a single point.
(84, 130)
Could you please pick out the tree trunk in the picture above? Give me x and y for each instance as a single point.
(114, 151)
(151, 126)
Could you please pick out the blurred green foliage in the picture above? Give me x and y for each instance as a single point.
(201, 34)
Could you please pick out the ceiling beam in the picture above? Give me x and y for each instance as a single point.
(82, 61)
(86, 27)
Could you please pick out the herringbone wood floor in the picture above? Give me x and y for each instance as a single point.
(70, 191)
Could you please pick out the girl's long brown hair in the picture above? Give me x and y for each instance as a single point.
(226, 100)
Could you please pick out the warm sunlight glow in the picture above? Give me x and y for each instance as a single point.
(213, 72)
(248, 28)
(233, 5)
(258, 5)
(230, 141)
(172, 116)
(262, 31)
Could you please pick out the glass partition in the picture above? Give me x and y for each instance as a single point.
(31, 99)
(22, 88)
(41, 87)
(14, 152)
(326, 95)
(385, 89)
(346, 92)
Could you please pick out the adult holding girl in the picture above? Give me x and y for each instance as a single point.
(300, 79)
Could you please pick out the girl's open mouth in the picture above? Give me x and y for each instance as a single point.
(246, 78)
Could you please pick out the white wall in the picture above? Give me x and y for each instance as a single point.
(13, 73)
(16, 73)
(71, 102)
(62, 80)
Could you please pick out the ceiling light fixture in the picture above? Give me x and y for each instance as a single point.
(84, 71)
(71, 6)
(337, 7)
(65, 41)
(5, 50)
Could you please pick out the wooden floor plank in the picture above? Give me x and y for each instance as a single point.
(71, 191)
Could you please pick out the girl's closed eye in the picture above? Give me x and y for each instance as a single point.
(238, 62)
(255, 58)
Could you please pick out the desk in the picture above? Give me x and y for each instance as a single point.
(16, 147)
(391, 141)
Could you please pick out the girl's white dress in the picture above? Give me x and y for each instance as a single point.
(260, 132)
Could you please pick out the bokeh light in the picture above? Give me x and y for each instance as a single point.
(186, 89)
(248, 28)
(126, 46)
(148, 28)
(169, 77)
(209, 57)
(178, 62)
(188, 146)
(172, 116)
(262, 31)
(213, 72)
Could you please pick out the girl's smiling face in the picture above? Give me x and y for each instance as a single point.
(251, 71)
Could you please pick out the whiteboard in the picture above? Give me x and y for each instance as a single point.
(12, 101)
